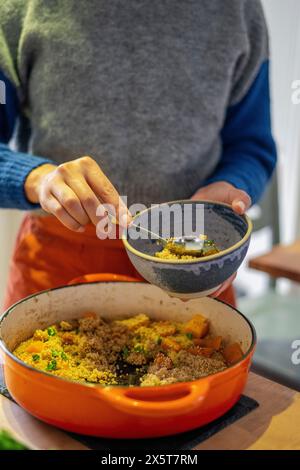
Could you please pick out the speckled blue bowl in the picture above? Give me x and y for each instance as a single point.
(197, 278)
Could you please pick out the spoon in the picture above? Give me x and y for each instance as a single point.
(186, 245)
(192, 246)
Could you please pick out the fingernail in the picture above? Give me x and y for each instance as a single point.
(101, 211)
(241, 205)
(124, 220)
(80, 229)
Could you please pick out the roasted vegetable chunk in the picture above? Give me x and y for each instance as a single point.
(214, 343)
(233, 353)
(198, 326)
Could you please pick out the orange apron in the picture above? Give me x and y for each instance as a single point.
(49, 255)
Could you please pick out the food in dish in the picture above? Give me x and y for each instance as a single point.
(172, 251)
(130, 351)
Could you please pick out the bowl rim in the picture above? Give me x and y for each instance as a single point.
(221, 253)
(88, 385)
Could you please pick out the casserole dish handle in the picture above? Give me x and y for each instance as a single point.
(149, 402)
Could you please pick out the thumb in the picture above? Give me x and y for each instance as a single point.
(239, 200)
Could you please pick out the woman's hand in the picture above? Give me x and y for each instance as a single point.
(238, 199)
(74, 191)
(222, 191)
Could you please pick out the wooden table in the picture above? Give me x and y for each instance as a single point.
(274, 424)
(281, 261)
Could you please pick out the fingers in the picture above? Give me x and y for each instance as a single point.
(79, 187)
(239, 200)
(222, 191)
(87, 197)
(106, 192)
(52, 206)
(70, 202)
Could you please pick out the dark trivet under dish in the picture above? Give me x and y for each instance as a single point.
(185, 441)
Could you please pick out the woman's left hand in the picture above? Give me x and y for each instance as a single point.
(224, 192)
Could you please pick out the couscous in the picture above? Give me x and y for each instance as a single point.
(173, 252)
(131, 351)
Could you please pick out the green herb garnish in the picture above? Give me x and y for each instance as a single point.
(52, 365)
(159, 340)
(63, 356)
(189, 335)
(51, 331)
(139, 348)
(7, 442)
(55, 353)
(125, 351)
(35, 357)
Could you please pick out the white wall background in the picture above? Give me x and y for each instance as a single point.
(9, 223)
(283, 17)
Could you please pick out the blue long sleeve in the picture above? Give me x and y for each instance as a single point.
(249, 152)
(14, 166)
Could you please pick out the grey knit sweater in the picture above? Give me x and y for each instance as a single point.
(141, 85)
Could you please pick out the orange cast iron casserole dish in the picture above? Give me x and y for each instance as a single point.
(122, 412)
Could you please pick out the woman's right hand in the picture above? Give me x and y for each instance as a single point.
(73, 192)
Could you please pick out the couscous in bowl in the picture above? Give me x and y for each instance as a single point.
(190, 278)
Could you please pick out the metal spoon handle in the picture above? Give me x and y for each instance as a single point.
(158, 237)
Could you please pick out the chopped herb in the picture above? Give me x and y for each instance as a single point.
(52, 365)
(139, 348)
(189, 335)
(8, 442)
(125, 351)
(35, 357)
(51, 331)
(64, 356)
(159, 340)
(55, 353)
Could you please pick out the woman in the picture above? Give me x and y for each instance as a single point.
(169, 100)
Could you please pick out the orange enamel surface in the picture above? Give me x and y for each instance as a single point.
(122, 412)
(125, 412)
(103, 277)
